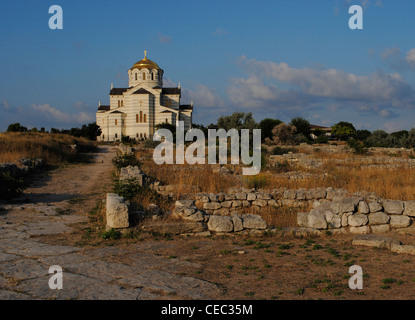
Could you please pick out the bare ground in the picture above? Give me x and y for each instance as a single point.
(50, 226)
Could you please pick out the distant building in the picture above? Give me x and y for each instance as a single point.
(135, 111)
(326, 130)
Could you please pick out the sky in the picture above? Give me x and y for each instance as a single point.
(275, 58)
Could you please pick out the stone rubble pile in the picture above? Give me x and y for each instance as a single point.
(24, 167)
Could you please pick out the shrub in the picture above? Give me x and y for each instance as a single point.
(151, 144)
(125, 160)
(127, 189)
(277, 151)
(357, 147)
(111, 234)
(10, 187)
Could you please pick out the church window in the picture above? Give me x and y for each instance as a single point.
(136, 77)
(141, 116)
(119, 103)
(116, 121)
(136, 118)
(116, 135)
(167, 121)
(152, 76)
(145, 135)
(141, 135)
(145, 118)
(144, 76)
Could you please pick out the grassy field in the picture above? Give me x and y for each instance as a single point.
(54, 149)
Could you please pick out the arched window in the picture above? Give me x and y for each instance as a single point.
(136, 118)
(141, 116)
(152, 76)
(136, 78)
(144, 76)
(116, 121)
(145, 118)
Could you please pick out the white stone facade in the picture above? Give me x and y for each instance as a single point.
(135, 111)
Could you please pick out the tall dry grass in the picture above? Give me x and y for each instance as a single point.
(52, 148)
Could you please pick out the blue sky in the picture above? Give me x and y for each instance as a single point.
(278, 59)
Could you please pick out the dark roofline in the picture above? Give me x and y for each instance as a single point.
(117, 91)
(186, 107)
(142, 91)
(104, 108)
(171, 91)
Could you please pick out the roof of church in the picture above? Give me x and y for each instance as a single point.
(186, 107)
(145, 63)
(104, 108)
(171, 91)
(142, 91)
(117, 91)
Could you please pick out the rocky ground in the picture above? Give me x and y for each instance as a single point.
(47, 227)
(57, 204)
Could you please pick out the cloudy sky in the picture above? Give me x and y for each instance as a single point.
(278, 59)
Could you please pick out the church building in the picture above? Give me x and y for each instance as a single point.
(135, 111)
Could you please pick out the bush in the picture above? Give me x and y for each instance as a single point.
(125, 160)
(111, 234)
(278, 151)
(151, 144)
(257, 182)
(322, 139)
(357, 147)
(127, 189)
(10, 187)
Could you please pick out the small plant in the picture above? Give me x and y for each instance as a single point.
(111, 234)
(300, 291)
(125, 160)
(389, 280)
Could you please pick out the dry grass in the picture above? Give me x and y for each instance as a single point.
(52, 148)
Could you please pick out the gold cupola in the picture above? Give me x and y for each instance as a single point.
(145, 64)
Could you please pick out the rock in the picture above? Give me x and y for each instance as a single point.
(360, 230)
(380, 228)
(212, 205)
(400, 221)
(403, 249)
(226, 204)
(240, 196)
(237, 222)
(317, 220)
(116, 211)
(375, 206)
(184, 203)
(198, 216)
(289, 194)
(221, 212)
(220, 224)
(409, 208)
(253, 221)
(236, 204)
(302, 219)
(363, 207)
(251, 197)
(374, 241)
(357, 220)
(333, 221)
(378, 218)
(213, 197)
(260, 203)
(393, 207)
(343, 206)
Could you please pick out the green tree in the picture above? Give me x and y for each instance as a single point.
(302, 126)
(344, 130)
(283, 134)
(266, 127)
(238, 121)
(16, 127)
(91, 131)
(362, 135)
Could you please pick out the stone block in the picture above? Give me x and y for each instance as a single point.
(393, 207)
(220, 224)
(400, 221)
(240, 196)
(253, 221)
(378, 218)
(374, 241)
(360, 230)
(382, 228)
(260, 203)
(184, 203)
(357, 220)
(251, 197)
(375, 206)
(237, 222)
(317, 220)
(212, 205)
(363, 207)
(116, 212)
(409, 208)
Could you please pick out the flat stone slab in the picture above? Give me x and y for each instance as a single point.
(370, 240)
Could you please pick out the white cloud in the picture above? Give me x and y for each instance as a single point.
(410, 57)
(63, 117)
(204, 96)
(163, 38)
(389, 52)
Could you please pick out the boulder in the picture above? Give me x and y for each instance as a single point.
(212, 205)
(393, 207)
(409, 208)
(400, 221)
(220, 224)
(237, 222)
(363, 207)
(317, 220)
(382, 228)
(360, 230)
(378, 218)
(375, 206)
(374, 241)
(116, 212)
(253, 221)
(357, 220)
(184, 203)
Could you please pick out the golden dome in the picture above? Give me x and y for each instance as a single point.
(145, 63)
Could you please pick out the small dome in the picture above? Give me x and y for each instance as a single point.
(145, 63)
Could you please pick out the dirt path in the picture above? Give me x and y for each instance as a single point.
(53, 204)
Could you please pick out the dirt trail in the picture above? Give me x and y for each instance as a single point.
(51, 206)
